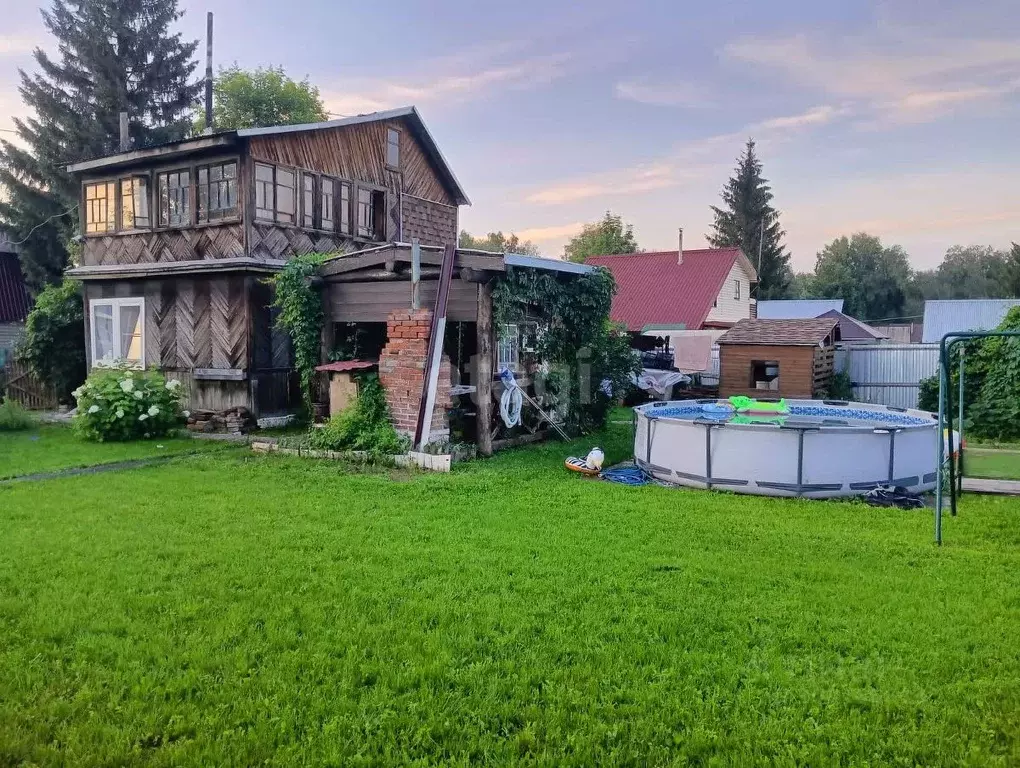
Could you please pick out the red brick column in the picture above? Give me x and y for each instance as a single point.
(402, 372)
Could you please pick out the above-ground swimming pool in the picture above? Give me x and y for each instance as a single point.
(820, 449)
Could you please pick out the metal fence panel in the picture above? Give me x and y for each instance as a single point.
(888, 374)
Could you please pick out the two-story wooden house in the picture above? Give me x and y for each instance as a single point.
(178, 240)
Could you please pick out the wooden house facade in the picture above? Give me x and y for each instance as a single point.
(778, 358)
(178, 240)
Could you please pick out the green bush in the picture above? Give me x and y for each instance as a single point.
(362, 426)
(14, 417)
(126, 404)
(839, 387)
(54, 343)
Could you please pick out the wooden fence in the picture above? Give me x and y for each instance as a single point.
(18, 383)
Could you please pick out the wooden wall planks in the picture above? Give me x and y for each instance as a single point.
(356, 152)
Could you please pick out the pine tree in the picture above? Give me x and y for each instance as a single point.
(750, 223)
(114, 56)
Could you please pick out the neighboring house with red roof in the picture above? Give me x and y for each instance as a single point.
(681, 293)
(14, 301)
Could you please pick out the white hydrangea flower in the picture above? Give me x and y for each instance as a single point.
(173, 384)
(153, 410)
(93, 409)
(127, 384)
(119, 414)
(78, 392)
(143, 417)
(139, 394)
(186, 414)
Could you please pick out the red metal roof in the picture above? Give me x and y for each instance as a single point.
(14, 300)
(653, 289)
(347, 365)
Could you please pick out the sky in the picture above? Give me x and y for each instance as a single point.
(897, 118)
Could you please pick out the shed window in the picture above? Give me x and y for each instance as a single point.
(174, 198)
(134, 203)
(307, 200)
(327, 201)
(100, 207)
(117, 331)
(265, 200)
(217, 191)
(392, 147)
(736, 289)
(765, 374)
(345, 208)
(509, 348)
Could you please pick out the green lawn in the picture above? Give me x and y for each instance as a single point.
(51, 447)
(240, 610)
(997, 464)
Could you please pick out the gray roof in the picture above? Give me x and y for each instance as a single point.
(942, 316)
(852, 329)
(797, 309)
(224, 138)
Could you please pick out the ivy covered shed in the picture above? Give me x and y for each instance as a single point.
(504, 311)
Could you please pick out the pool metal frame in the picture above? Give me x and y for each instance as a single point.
(799, 488)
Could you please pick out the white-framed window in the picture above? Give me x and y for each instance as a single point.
(508, 350)
(117, 331)
(736, 289)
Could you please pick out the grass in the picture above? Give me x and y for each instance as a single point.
(50, 447)
(241, 610)
(997, 464)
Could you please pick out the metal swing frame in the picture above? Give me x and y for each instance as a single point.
(949, 341)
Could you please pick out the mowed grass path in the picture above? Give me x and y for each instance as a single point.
(52, 447)
(227, 610)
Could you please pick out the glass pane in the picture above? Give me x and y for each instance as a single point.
(140, 187)
(102, 332)
(131, 333)
(392, 147)
(264, 172)
(127, 204)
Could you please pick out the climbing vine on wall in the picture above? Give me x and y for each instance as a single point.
(297, 298)
(590, 359)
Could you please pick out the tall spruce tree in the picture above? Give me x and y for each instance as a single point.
(748, 221)
(113, 56)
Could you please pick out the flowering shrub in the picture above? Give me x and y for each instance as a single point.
(126, 404)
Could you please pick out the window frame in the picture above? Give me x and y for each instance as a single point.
(392, 131)
(508, 334)
(736, 290)
(116, 304)
(377, 200)
(320, 199)
(764, 364)
(196, 195)
(315, 214)
(134, 177)
(190, 197)
(107, 182)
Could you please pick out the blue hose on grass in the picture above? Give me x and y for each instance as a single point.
(625, 476)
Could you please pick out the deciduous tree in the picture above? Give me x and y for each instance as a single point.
(605, 237)
(870, 278)
(262, 97)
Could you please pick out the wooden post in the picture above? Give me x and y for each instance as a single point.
(483, 386)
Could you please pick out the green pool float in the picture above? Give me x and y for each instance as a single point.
(748, 405)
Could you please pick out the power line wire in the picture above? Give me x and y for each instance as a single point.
(43, 223)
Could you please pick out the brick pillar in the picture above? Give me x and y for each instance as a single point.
(402, 372)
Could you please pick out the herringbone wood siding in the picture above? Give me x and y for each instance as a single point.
(207, 242)
(189, 323)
